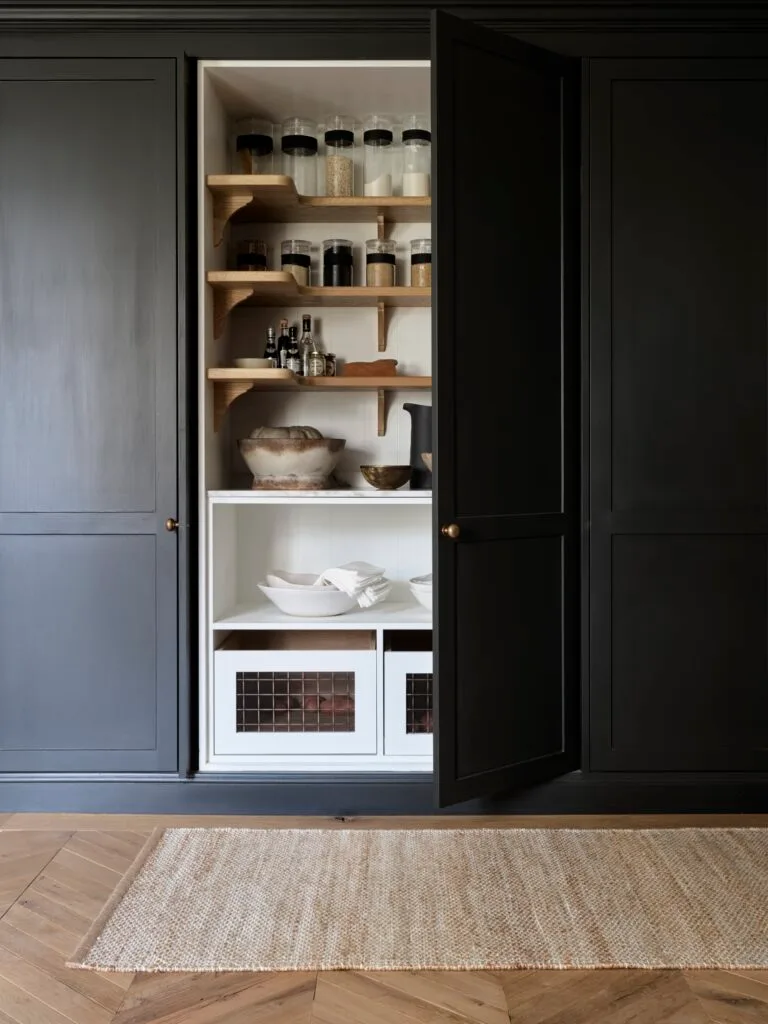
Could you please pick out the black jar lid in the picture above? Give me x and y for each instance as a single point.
(417, 133)
(339, 137)
(299, 145)
(259, 145)
(378, 137)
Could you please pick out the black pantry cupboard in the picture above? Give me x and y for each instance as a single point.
(600, 229)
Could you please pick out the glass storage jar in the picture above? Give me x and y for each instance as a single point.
(299, 146)
(378, 153)
(421, 263)
(251, 255)
(295, 258)
(379, 263)
(337, 263)
(417, 156)
(340, 156)
(252, 146)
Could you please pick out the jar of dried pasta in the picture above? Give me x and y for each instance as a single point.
(379, 263)
(421, 263)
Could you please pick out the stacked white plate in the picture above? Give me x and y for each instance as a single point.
(298, 593)
(421, 588)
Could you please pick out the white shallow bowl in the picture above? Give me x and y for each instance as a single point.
(309, 603)
(295, 580)
(253, 364)
(424, 582)
(424, 597)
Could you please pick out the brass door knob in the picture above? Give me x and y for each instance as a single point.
(171, 525)
(450, 530)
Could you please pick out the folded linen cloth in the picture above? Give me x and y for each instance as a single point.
(361, 580)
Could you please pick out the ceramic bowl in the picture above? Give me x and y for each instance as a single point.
(291, 463)
(253, 364)
(297, 580)
(309, 603)
(427, 457)
(386, 478)
(423, 596)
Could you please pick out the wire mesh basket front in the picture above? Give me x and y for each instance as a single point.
(418, 702)
(295, 701)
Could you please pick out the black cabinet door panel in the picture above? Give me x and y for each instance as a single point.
(88, 415)
(506, 657)
(678, 438)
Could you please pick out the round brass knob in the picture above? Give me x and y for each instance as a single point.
(171, 525)
(450, 530)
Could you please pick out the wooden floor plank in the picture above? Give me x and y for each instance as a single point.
(471, 995)
(42, 929)
(94, 847)
(55, 994)
(730, 998)
(23, 1008)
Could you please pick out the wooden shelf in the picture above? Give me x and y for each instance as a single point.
(230, 383)
(272, 198)
(232, 288)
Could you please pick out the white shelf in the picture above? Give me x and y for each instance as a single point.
(343, 497)
(387, 615)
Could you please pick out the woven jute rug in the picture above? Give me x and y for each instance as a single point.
(461, 899)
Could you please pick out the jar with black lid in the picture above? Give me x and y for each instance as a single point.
(295, 258)
(251, 255)
(253, 144)
(380, 263)
(337, 263)
(421, 263)
(299, 146)
(417, 156)
(378, 156)
(339, 156)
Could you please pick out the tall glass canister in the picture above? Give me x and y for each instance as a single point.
(299, 146)
(417, 156)
(252, 146)
(378, 155)
(340, 156)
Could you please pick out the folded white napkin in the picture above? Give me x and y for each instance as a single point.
(361, 580)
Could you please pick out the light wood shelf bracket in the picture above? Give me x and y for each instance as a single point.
(224, 301)
(381, 402)
(381, 227)
(382, 326)
(225, 206)
(224, 394)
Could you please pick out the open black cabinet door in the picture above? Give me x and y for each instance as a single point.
(506, 396)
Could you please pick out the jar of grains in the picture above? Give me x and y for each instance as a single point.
(379, 263)
(339, 156)
(251, 255)
(294, 257)
(417, 156)
(421, 263)
(299, 146)
(337, 263)
(378, 156)
(252, 144)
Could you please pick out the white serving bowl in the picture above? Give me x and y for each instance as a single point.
(251, 363)
(311, 603)
(423, 596)
(295, 580)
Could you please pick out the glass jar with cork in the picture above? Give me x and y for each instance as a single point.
(378, 153)
(380, 263)
(340, 156)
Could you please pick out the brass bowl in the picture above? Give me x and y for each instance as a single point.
(427, 457)
(386, 478)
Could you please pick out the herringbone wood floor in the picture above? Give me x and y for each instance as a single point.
(56, 871)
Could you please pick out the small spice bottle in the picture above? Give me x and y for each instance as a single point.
(295, 258)
(330, 364)
(251, 255)
(379, 263)
(378, 155)
(253, 144)
(339, 156)
(421, 263)
(299, 146)
(417, 156)
(337, 263)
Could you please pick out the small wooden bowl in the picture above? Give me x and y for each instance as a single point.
(427, 457)
(386, 478)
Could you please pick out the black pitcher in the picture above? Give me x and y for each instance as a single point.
(421, 441)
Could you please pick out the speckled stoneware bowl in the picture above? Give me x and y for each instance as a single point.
(386, 478)
(291, 463)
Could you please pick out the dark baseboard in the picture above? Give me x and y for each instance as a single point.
(352, 795)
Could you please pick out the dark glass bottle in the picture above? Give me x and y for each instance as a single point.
(270, 349)
(283, 344)
(294, 359)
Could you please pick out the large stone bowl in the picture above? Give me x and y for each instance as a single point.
(291, 463)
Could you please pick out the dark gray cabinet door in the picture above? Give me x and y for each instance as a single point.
(678, 459)
(88, 466)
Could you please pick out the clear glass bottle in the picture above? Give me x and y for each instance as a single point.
(252, 146)
(421, 263)
(251, 255)
(417, 156)
(378, 154)
(306, 344)
(283, 345)
(293, 359)
(337, 263)
(299, 146)
(340, 156)
(295, 258)
(270, 350)
(380, 263)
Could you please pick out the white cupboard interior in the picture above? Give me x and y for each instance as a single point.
(354, 691)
